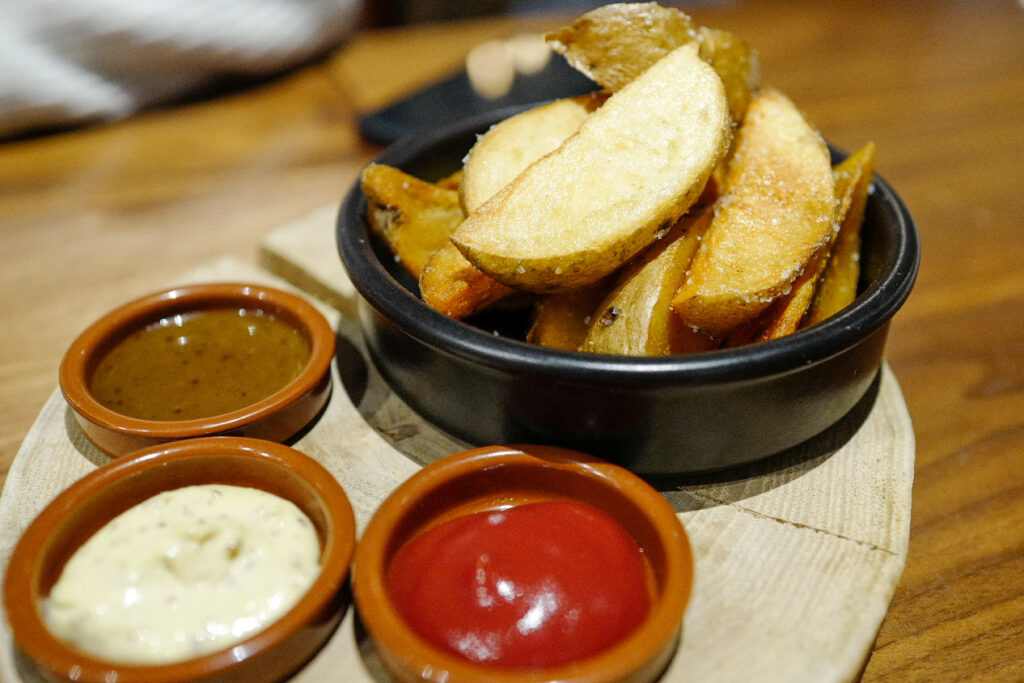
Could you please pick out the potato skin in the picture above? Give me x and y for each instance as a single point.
(561, 320)
(634, 167)
(838, 286)
(636, 319)
(454, 286)
(829, 283)
(414, 217)
(737, 63)
(615, 43)
(776, 211)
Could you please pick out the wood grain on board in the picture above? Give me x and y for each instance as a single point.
(797, 557)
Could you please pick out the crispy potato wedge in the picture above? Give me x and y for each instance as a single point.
(787, 314)
(776, 212)
(793, 311)
(511, 145)
(631, 170)
(615, 43)
(746, 333)
(452, 181)
(636, 319)
(561, 320)
(415, 218)
(736, 62)
(838, 287)
(454, 286)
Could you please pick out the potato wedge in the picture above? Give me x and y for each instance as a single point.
(561, 320)
(414, 217)
(776, 211)
(615, 43)
(454, 286)
(838, 287)
(747, 333)
(631, 170)
(452, 181)
(636, 319)
(511, 145)
(794, 310)
(787, 314)
(736, 62)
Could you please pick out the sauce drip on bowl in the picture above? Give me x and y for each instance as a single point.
(200, 364)
(535, 585)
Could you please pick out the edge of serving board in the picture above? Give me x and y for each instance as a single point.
(797, 557)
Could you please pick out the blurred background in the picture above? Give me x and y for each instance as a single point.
(72, 62)
(398, 12)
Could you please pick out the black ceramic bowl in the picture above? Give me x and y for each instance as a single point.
(655, 416)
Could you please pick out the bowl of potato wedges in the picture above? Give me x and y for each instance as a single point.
(675, 272)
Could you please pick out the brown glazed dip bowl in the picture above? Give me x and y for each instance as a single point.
(496, 477)
(86, 506)
(274, 417)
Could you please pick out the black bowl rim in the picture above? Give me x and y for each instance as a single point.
(874, 307)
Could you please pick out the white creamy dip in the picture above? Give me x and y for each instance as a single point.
(184, 573)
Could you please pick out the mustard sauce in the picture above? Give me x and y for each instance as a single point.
(199, 365)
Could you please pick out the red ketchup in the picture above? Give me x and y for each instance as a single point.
(536, 585)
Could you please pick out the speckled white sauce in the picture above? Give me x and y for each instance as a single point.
(184, 573)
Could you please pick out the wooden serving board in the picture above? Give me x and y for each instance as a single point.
(796, 557)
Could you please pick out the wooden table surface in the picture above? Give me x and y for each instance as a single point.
(93, 217)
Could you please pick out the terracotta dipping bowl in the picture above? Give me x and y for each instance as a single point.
(91, 502)
(478, 379)
(493, 477)
(275, 418)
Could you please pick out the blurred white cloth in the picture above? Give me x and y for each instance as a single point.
(65, 62)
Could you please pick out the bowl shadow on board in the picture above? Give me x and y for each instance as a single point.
(372, 664)
(770, 472)
(384, 411)
(26, 668)
(79, 441)
(368, 392)
(354, 372)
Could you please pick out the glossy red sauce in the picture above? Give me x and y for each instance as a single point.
(535, 585)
